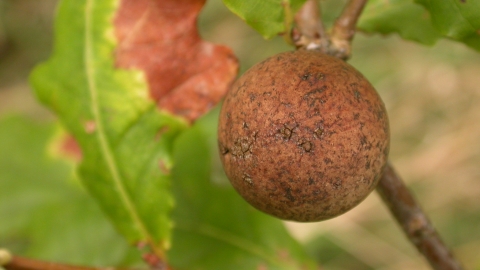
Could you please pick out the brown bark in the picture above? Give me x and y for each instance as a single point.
(414, 221)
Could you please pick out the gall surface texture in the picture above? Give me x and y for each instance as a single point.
(303, 136)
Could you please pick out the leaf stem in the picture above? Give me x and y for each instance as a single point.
(414, 221)
(20, 263)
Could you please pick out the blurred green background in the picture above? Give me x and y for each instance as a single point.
(432, 95)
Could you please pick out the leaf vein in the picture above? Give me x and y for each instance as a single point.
(233, 240)
(103, 141)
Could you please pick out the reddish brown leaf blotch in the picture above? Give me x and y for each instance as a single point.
(69, 148)
(186, 75)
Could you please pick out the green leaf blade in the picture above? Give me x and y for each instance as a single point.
(124, 138)
(409, 20)
(266, 17)
(425, 21)
(455, 19)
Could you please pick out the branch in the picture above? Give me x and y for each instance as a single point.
(414, 221)
(11, 262)
(345, 27)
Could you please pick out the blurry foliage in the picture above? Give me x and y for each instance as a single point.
(432, 95)
(45, 212)
(25, 36)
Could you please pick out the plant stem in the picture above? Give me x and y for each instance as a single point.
(20, 263)
(310, 32)
(414, 221)
(345, 27)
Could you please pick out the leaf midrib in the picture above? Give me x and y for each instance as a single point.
(99, 127)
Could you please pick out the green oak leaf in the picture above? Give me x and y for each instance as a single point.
(214, 227)
(266, 17)
(456, 19)
(411, 21)
(44, 211)
(125, 140)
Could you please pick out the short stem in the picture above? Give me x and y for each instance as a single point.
(414, 221)
(311, 32)
(345, 27)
